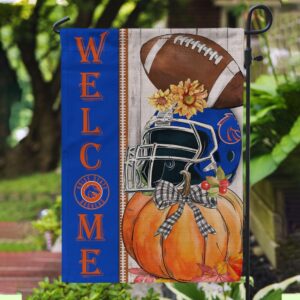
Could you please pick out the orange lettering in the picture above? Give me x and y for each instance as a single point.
(86, 123)
(86, 261)
(84, 156)
(91, 48)
(85, 84)
(89, 230)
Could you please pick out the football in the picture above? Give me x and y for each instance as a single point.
(169, 59)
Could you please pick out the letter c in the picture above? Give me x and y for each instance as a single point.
(84, 156)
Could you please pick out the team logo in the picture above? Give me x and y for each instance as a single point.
(229, 130)
(91, 191)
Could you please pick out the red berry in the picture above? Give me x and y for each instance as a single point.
(205, 185)
(224, 183)
(222, 190)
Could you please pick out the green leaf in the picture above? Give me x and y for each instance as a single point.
(259, 117)
(235, 292)
(213, 181)
(148, 193)
(274, 295)
(213, 192)
(220, 174)
(261, 167)
(187, 291)
(264, 165)
(265, 83)
(274, 291)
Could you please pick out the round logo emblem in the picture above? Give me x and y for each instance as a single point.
(229, 130)
(91, 191)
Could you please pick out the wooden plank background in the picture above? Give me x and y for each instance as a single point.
(140, 87)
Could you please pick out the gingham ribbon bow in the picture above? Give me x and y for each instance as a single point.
(166, 194)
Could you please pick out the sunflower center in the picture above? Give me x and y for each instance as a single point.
(161, 101)
(189, 100)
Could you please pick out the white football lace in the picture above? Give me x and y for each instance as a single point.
(202, 48)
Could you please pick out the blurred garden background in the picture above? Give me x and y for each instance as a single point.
(30, 242)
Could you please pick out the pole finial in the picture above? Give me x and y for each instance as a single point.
(268, 15)
(56, 25)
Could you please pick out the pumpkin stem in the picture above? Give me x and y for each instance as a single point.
(187, 182)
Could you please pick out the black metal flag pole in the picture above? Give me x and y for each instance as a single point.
(249, 31)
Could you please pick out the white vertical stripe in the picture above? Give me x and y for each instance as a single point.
(221, 82)
(152, 53)
(122, 146)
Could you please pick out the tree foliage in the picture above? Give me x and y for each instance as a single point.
(31, 49)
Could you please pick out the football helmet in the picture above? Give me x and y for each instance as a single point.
(171, 143)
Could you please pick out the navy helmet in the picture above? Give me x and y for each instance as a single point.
(172, 143)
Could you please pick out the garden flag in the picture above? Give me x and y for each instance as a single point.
(151, 155)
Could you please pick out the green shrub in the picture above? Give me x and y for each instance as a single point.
(275, 125)
(208, 291)
(59, 290)
(51, 222)
(226, 291)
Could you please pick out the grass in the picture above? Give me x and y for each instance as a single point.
(19, 247)
(22, 199)
(15, 210)
(33, 184)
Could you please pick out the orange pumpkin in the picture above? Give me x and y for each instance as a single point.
(181, 255)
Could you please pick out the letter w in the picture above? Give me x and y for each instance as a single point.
(91, 48)
(84, 226)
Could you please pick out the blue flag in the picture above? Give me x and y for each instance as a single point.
(90, 155)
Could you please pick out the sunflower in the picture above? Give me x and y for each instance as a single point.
(189, 97)
(161, 100)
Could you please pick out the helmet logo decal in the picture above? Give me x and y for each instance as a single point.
(228, 129)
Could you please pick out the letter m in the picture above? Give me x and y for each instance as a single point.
(87, 232)
(91, 47)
